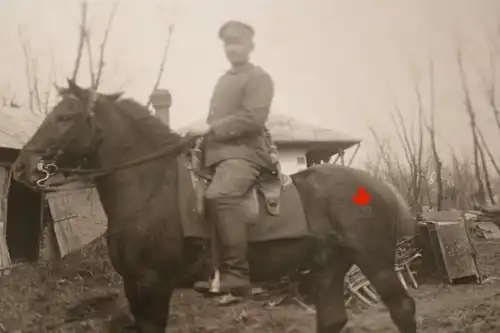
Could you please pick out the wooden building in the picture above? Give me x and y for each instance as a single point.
(35, 225)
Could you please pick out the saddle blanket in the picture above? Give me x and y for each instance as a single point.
(290, 223)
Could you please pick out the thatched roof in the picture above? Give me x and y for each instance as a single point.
(289, 131)
(17, 125)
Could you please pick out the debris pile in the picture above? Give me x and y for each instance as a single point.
(358, 287)
(484, 214)
(485, 222)
(406, 249)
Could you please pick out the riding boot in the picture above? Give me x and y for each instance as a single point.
(232, 232)
(203, 286)
(212, 263)
(231, 229)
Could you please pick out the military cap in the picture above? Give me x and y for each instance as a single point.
(236, 29)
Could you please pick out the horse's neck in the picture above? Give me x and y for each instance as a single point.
(124, 140)
(133, 192)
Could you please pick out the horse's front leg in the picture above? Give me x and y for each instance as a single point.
(149, 303)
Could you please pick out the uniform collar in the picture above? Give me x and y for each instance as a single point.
(240, 68)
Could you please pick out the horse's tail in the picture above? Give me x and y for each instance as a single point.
(405, 225)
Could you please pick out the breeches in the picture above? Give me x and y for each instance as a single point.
(233, 188)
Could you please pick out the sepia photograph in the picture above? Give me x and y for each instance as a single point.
(267, 166)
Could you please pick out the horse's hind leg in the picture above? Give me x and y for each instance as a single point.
(385, 281)
(328, 279)
(149, 303)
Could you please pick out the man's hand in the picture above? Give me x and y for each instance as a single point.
(199, 130)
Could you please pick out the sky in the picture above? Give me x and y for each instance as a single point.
(339, 64)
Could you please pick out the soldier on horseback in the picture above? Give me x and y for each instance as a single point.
(237, 152)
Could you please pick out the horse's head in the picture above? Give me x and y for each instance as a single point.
(68, 136)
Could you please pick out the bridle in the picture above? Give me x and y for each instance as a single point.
(50, 168)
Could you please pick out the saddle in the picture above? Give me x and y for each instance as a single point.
(269, 184)
(280, 205)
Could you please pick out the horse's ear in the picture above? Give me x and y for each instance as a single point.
(76, 90)
(114, 97)
(60, 90)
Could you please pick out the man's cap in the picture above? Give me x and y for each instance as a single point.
(236, 29)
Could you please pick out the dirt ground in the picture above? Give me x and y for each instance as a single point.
(82, 294)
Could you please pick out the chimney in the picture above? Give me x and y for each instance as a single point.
(161, 101)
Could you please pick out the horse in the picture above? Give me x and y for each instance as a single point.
(134, 160)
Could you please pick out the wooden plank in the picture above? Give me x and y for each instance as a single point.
(456, 250)
(5, 262)
(78, 218)
(68, 241)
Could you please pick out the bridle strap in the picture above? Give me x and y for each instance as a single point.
(93, 97)
(99, 172)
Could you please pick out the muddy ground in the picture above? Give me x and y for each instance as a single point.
(82, 294)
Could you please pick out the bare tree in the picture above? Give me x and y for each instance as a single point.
(412, 148)
(491, 89)
(162, 62)
(479, 158)
(391, 168)
(418, 148)
(485, 146)
(431, 128)
(491, 98)
(85, 42)
(103, 47)
(28, 71)
(90, 58)
(81, 42)
(39, 98)
(464, 183)
(36, 102)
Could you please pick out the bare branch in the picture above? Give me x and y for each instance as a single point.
(28, 71)
(406, 151)
(418, 148)
(90, 58)
(403, 134)
(81, 42)
(162, 63)
(381, 147)
(486, 174)
(487, 149)
(431, 128)
(472, 116)
(491, 92)
(103, 46)
(393, 171)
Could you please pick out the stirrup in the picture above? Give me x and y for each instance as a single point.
(228, 299)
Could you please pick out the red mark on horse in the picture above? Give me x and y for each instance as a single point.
(362, 197)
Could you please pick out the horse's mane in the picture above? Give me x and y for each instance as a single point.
(150, 127)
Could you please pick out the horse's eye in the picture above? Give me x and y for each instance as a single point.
(63, 118)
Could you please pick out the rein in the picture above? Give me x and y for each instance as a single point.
(51, 169)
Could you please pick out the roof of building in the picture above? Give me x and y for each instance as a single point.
(289, 131)
(17, 125)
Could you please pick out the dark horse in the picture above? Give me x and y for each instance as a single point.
(146, 244)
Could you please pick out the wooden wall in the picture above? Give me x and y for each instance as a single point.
(5, 263)
(72, 220)
(78, 218)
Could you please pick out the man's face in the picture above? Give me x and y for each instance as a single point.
(238, 50)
